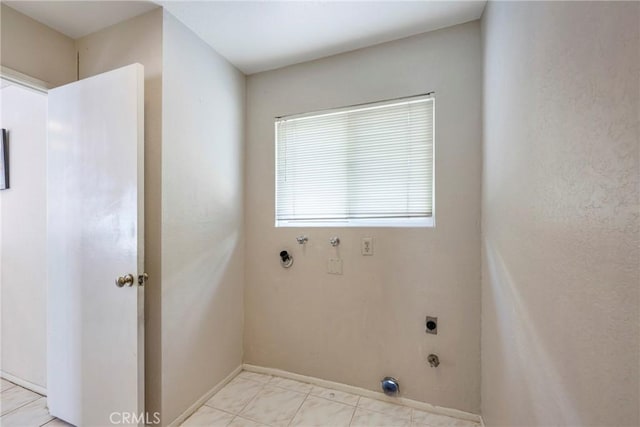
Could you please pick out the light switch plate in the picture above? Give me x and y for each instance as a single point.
(334, 266)
(366, 246)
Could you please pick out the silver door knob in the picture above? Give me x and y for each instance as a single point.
(124, 280)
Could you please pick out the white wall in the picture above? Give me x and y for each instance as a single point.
(202, 218)
(23, 245)
(40, 52)
(560, 330)
(140, 40)
(34, 49)
(369, 322)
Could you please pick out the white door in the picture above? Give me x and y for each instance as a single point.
(95, 335)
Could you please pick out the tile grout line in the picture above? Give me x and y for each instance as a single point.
(221, 410)
(262, 386)
(228, 411)
(22, 388)
(21, 406)
(386, 413)
(245, 405)
(252, 399)
(27, 403)
(335, 401)
(354, 411)
(298, 410)
(322, 397)
(412, 416)
(309, 393)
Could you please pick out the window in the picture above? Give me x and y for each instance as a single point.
(369, 165)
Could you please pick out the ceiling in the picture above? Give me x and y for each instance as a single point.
(259, 36)
(78, 18)
(263, 35)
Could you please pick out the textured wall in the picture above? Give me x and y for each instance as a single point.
(369, 322)
(560, 334)
(34, 49)
(202, 218)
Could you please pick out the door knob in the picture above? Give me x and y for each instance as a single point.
(124, 280)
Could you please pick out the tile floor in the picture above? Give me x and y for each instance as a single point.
(252, 399)
(20, 407)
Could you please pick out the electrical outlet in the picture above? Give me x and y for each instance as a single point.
(334, 266)
(366, 246)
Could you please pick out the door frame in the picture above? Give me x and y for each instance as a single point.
(24, 80)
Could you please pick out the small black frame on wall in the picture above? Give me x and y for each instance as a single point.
(4, 161)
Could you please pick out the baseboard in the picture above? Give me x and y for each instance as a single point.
(366, 393)
(208, 395)
(23, 383)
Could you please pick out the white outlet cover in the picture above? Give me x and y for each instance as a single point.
(366, 246)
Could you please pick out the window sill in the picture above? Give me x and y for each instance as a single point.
(377, 223)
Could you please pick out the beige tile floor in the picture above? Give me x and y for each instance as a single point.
(20, 407)
(252, 399)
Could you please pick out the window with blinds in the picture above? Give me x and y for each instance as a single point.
(369, 165)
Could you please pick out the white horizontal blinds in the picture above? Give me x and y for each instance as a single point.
(371, 162)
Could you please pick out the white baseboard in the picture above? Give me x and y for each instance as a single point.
(24, 383)
(198, 403)
(366, 393)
